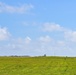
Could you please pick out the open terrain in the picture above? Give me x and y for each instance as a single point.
(37, 66)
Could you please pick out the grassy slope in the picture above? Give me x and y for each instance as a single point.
(37, 66)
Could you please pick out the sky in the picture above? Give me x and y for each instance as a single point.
(38, 27)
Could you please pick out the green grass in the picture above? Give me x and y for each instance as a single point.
(37, 66)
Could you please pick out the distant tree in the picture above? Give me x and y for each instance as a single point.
(44, 55)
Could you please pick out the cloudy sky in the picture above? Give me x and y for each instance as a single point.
(38, 27)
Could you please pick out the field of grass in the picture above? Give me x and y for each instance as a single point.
(37, 66)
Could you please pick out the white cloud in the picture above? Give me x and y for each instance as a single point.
(27, 40)
(24, 8)
(20, 40)
(61, 43)
(19, 44)
(43, 44)
(52, 27)
(4, 34)
(45, 39)
(70, 35)
(67, 34)
(24, 41)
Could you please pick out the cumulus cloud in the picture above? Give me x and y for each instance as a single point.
(52, 27)
(67, 34)
(45, 39)
(20, 40)
(27, 40)
(19, 44)
(70, 35)
(43, 44)
(4, 34)
(15, 9)
(61, 43)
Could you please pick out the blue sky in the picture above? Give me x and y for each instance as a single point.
(33, 27)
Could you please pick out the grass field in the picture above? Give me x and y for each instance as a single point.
(37, 66)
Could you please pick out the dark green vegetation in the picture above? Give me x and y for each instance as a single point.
(37, 66)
